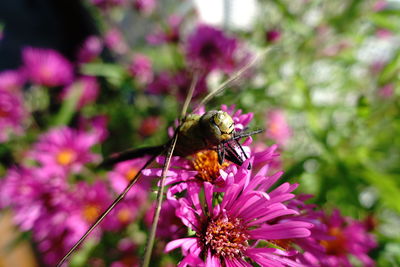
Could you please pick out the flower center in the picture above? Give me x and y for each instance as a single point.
(91, 212)
(207, 165)
(336, 246)
(131, 173)
(124, 215)
(66, 157)
(226, 238)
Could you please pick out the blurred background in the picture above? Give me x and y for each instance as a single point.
(107, 75)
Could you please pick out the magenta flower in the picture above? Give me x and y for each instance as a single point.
(171, 34)
(96, 125)
(12, 114)
(228, 233)
(272, 36)
(149, 126)
(169, 226)
(105, 4)
(125, 171)
(177, 84)
(88, 89)
(209, 48)
(350, 238)
(90, 49)
(65, 150)
(114, 40)
(145, 6)
(47, 67)
(386, 91)
(11, 80)
(277, 127)
(141, 68)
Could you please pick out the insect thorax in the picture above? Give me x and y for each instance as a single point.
(199, 132)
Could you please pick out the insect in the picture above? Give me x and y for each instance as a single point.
(212, 130)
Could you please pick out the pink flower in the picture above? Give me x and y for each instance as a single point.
(272, 36)
(277, 127)
(12, 114)
(114, 40)
(209, 48)
(169, 35)
(64, 150)
(96, 125)
(169, 226)
(149, 126)
(47, 67)
(141, 68)
(90, 49)
(386, 91)
(88, 88)
(11, 80)
(145, 6)
(105, 4)
(229, 227)
(176, 83)
(350, 237)
(125, 171)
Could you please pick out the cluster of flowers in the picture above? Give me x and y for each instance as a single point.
(219, 215)
(48, 199)
(238, 217)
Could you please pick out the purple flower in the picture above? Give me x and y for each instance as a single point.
(169, 226)
(141, 68)
(11, 80)
(90, 49)
(350, 238)
(96, 125)
(12, 114)
(114, 40)
(171, 34)
(149, 126)
(229, 233)
(124, 172)
(145, 6)
(177, 84)
(272, 36)
(105, 4)
(47, 67)
(89, 90)
(64, 150)
(209, 48)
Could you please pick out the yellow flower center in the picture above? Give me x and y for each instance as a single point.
(336, 246)
(207, 165)
(65, 157)
(124, 215)
(91, 212)
(226, 237)
(131, 173)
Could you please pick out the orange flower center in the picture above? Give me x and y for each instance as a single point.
(66, 157)
(131, 173)
(91, 212)
(124, 215)
(336, 246)
(226, 238)
(207, 165)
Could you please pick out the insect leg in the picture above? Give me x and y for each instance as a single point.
(221, 153)
(244, 153)
(107, 211)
